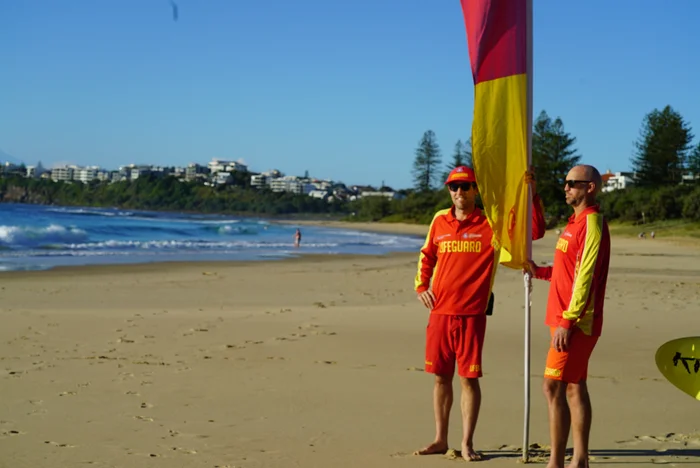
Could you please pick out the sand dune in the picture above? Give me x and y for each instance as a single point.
(315, 362)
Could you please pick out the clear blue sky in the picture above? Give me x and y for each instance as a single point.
(344, 89)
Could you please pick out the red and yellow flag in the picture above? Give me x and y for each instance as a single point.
(498, 39)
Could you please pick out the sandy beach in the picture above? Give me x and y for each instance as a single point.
(316, 362)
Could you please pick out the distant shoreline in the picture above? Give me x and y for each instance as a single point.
(406, 229)
(422, 230)
(180, 265)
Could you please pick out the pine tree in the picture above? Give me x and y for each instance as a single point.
(462, 156)
(553, 155)
(467, 153)
(427, 162)
(457, 157)
(694, 163)
(662, 148)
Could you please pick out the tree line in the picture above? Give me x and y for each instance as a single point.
(164, 194)
(663, 155)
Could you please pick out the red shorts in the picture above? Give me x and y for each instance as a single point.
(572, 365)
(451, 338)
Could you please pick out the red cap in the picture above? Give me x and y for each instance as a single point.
(461, 174)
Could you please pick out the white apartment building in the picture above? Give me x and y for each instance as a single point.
(264, 180)
(179, 172)
(322, 184)
(273, 174)
(62, 173)
(258, 181)
(196, 171)
(119, 176)
(222, 178)
(104, 176)
(73, 173)
(690, 177)
(161, 171)
(290, 184)
(85, 174)
(35, 172)
(617, 181)
(388, 195)
(321, 194)
(137, 171)
(222, 165)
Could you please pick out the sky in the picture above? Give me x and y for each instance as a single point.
(343, 89)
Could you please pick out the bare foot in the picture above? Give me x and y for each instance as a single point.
(436, 448)
(578, 464)
(469, 454)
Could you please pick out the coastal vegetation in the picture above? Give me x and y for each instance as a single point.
(665, 194)
(163, 194)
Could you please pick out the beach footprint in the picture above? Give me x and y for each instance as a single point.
(59, 444)
(254, 342)
(148, 455)
(677, 439)
(184, 450)
(175, 433)
(232, 346)
(315, 329)
(364, 366)
(4, 433)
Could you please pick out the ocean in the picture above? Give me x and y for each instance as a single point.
(35, 237)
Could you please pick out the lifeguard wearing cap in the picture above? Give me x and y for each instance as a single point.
(455, 276)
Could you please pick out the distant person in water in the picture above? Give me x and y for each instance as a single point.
(297, 238)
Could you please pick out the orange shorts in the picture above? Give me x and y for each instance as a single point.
(570, 366)
(455, 338)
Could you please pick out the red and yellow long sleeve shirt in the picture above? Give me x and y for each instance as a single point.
(459, 259)
(579, 274)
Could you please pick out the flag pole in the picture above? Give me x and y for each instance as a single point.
(527, 276)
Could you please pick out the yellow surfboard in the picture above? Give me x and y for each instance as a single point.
(679, 361)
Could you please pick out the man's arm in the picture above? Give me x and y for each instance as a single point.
(543, 273)
(538, 223)
(588, 257)
(426, 260)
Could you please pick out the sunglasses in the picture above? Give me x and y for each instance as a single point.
(572, 183)
(465, 186)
